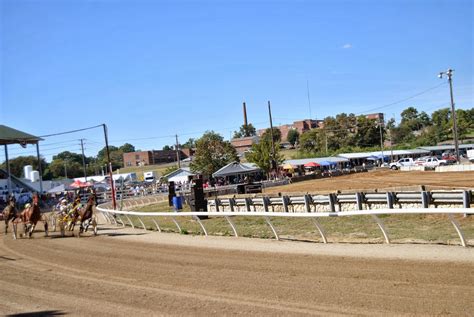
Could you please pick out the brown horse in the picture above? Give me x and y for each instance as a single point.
(86, 215)
(9, 213)
(30, 217)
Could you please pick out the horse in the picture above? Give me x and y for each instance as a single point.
(30, 217)
(9, 213)
(86, 214)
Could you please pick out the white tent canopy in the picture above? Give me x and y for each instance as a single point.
(236, 168)
(180, 175)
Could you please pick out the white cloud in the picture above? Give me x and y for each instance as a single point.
(347, 46)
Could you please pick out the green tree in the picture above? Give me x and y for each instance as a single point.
(190, 144)
(465, 122)
(116, 156)
(413, 120)
(212, 153)
(18, 163)
(102, 154)
(68, 156)
(409, 118)
(391, 124)
(293, 136)
(313, 141)
(127, 148)
(261, 154)
(59, 168)
(276, 135)
(441, 124)
(368, 133)
(343, 135)
(402, 135)
(245, 131)
(167, 148)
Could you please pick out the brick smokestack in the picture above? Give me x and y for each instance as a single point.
(245, 115)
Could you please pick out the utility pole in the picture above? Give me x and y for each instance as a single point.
(39, 168)
(83, 160)
(177, 152)
(449, 74)
(272, 162)
(381, 139)
(326, 135)
(9, 180)
(112, 186)
(391, 141)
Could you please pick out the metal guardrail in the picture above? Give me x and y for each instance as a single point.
(389, 199)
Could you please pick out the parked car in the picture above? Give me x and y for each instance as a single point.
(449, 158)
(407, 161)
(430, 161)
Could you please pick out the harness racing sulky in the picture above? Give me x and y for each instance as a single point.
(9, 213)
(29, 217)
(66, 216)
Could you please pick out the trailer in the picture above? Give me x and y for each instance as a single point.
(150, 177)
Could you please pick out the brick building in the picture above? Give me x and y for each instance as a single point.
(300, 126)
(154, 157)
(243, 144)
(376, 116)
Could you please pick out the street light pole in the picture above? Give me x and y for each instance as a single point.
(449, 74)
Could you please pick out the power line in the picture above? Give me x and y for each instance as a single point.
(404, 99)
(72, 131)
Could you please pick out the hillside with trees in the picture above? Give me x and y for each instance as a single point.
(351, 133)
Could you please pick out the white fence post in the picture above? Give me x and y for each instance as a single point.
(267, 219)
(458, 230)
(382, 227)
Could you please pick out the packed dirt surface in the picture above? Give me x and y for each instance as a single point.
(137, 273)
(381, 179)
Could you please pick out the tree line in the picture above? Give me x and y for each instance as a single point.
(342, 133)
(69, 164)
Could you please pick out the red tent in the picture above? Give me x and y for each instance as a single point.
(312, 164)
(79, 184)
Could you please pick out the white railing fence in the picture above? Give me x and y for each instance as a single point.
(124, 218)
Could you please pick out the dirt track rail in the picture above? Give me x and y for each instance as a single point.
(113, 275)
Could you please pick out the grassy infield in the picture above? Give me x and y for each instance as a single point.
(401, 228)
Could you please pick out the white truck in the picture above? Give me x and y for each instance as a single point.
(430, 162)
(406, 161)
(470, 155)
(150, 177)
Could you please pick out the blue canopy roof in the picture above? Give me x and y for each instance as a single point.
(327, 163)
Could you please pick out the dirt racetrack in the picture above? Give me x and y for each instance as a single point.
(126, 272)
(382, 179)
(132, 272)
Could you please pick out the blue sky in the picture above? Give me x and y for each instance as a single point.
(153, 69)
